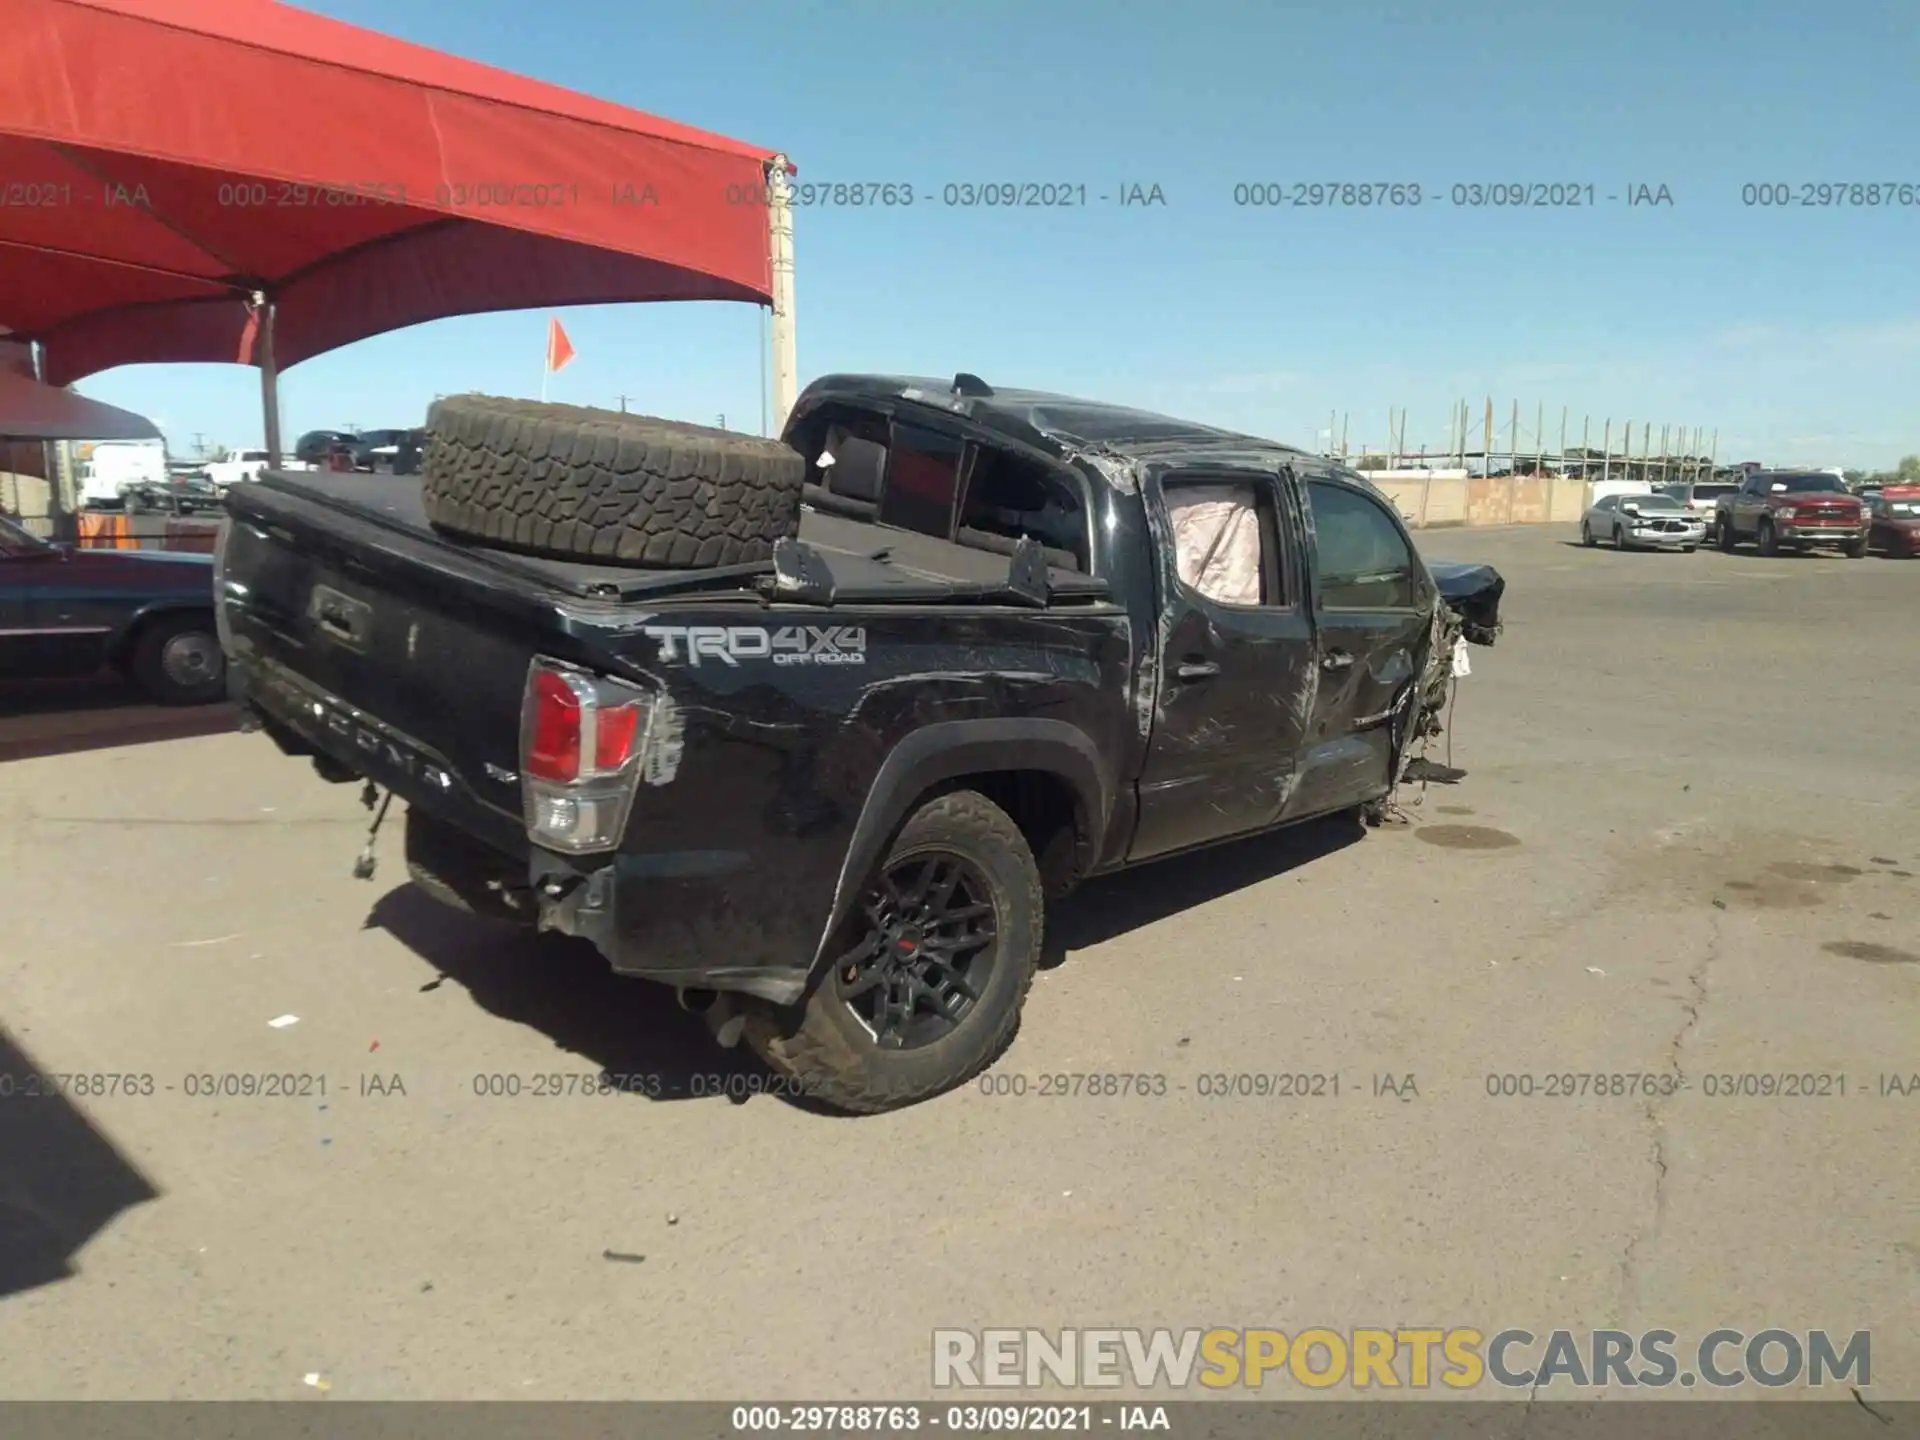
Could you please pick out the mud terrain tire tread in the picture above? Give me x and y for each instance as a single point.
(603, 486)
(816, 1053)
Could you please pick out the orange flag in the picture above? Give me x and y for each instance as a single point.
(559, 348)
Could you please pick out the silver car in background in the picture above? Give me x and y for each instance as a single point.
(1642, 522)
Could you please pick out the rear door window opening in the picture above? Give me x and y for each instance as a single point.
(936, 481)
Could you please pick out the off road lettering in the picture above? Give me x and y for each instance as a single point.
(788, 645)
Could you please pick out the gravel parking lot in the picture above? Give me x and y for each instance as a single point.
(1685, 845)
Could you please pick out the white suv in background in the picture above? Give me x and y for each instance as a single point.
(1699, 497)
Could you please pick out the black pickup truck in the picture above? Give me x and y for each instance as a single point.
(822, 782)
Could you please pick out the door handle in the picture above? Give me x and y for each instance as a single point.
(1198, 670)
(1335, 660)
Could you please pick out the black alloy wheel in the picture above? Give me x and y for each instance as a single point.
(928, 971)
(925, 950)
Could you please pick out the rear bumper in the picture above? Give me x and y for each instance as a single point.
(673, 917)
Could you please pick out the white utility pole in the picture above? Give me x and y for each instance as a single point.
(786, 367)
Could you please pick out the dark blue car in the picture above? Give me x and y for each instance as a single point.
(145, 613)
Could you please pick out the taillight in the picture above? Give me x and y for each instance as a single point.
(619, 727)
(582, 740)
(553, 744)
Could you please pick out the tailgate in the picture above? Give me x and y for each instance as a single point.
(390, 650)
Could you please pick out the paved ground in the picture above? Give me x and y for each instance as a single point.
(60, 717)
(1686, 843)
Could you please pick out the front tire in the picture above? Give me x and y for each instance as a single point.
(177, 661)
(1619, 538)
(1855, 550)
(1586, 535)
(1769, 542)
(930, 971)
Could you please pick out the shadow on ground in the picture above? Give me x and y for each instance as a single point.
(562, 988)
(1113, 905)
(61, 1181)
(61, 717)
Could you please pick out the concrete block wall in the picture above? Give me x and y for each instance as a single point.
(1453, 497)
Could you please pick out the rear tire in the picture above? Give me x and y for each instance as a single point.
(1723, 533)
(465, 875)
(177, 660)
(601, 485)
(830, 1044)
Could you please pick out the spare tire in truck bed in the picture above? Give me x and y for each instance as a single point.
(602, 485)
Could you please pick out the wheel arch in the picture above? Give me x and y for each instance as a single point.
(120, 651)
(1044, 773)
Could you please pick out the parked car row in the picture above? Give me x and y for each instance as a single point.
(1776, 511)
(181, 493)
(395, 451)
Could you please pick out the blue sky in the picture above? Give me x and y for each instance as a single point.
(1796, 332)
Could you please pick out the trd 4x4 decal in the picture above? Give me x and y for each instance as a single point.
(788, 645)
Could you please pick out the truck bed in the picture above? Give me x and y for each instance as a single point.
(866, 562)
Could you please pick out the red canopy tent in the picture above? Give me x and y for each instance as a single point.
(238, 180)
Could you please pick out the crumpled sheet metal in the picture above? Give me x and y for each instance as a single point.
(1473, 592)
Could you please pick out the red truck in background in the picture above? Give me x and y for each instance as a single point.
(1792, 510)
(1893, 521)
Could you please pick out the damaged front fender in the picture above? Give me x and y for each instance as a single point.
(1469, 610)
(1473, 593)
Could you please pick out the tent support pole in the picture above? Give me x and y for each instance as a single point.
(786, 368)
(269, 377)
(50, 459)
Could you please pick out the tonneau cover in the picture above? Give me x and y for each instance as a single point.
(867, 562)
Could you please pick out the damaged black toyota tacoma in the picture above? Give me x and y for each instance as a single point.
(809, 729)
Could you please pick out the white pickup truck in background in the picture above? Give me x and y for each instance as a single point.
(244, 465)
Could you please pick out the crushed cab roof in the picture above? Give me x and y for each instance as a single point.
(1059, 423)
